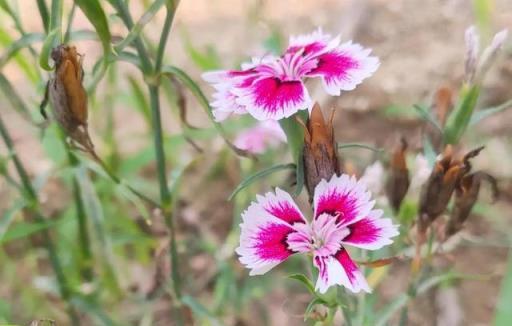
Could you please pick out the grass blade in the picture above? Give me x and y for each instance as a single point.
(258, 175)
(94, 12)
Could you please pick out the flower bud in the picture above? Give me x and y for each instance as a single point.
(68, 96)
(320, 152)
(398, 180)
(437, 191)
(466, 195)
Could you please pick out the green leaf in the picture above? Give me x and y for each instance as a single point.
(295, 137)
(426, 115)
(137, 28)
(258, 175)
(25, 229)
(503, 315)
(200, 310)
(459, 118)
(196, 91)
(482, 114)
(13, 97)
(311, 305)
(428, 151)
(9, 216)
(96, 15)
(47, 49)
(45, 16)
(305, 281)
(23, 42)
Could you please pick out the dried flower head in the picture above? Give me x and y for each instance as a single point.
(272, 88)
(320, 152)
(274, 228)
(68, 96)
(438, 189)
(398, 181)
(466, 195)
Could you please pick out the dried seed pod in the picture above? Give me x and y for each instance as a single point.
(68, 96)
(466, 195)
(437, 191)
(398, 180)
(320, 152)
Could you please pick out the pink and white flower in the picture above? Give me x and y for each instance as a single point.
(273, 228)
(273, 88)
(264, 135)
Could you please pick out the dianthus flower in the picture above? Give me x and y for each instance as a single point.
(273, 88)
(257, 139)
(273, 229)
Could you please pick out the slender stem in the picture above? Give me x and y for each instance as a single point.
(169, 16)
(29, 192)
(165, 194)
(83, 232)
(123, 12)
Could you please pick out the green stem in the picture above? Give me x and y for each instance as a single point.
(83, 232)
(125, 16)
(31, 195)
(146, 67)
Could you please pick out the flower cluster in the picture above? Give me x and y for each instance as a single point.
(272, 88)
(274, 228)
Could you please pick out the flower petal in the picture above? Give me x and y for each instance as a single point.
(259, 138)
(312, 44)
(344, 67)
(356, 279)
(270, 98)
(262, 240)
(372, 232)
(281, 205)
(342, 196)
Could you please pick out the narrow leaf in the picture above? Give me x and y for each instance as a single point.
(94, 12)
(305, 281)
(9, 216)
(426, 115)
(47, 49)
(459, 118)
(23, 42)
(258, 175)
(137, 28)
(482, 114)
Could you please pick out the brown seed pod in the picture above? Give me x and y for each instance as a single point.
(466, 195)
(438, 189)
(68, 96)
(320, 152)
(398, 180)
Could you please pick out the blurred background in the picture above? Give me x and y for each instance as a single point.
(421, 48)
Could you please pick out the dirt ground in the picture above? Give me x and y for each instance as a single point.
(421, 47)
